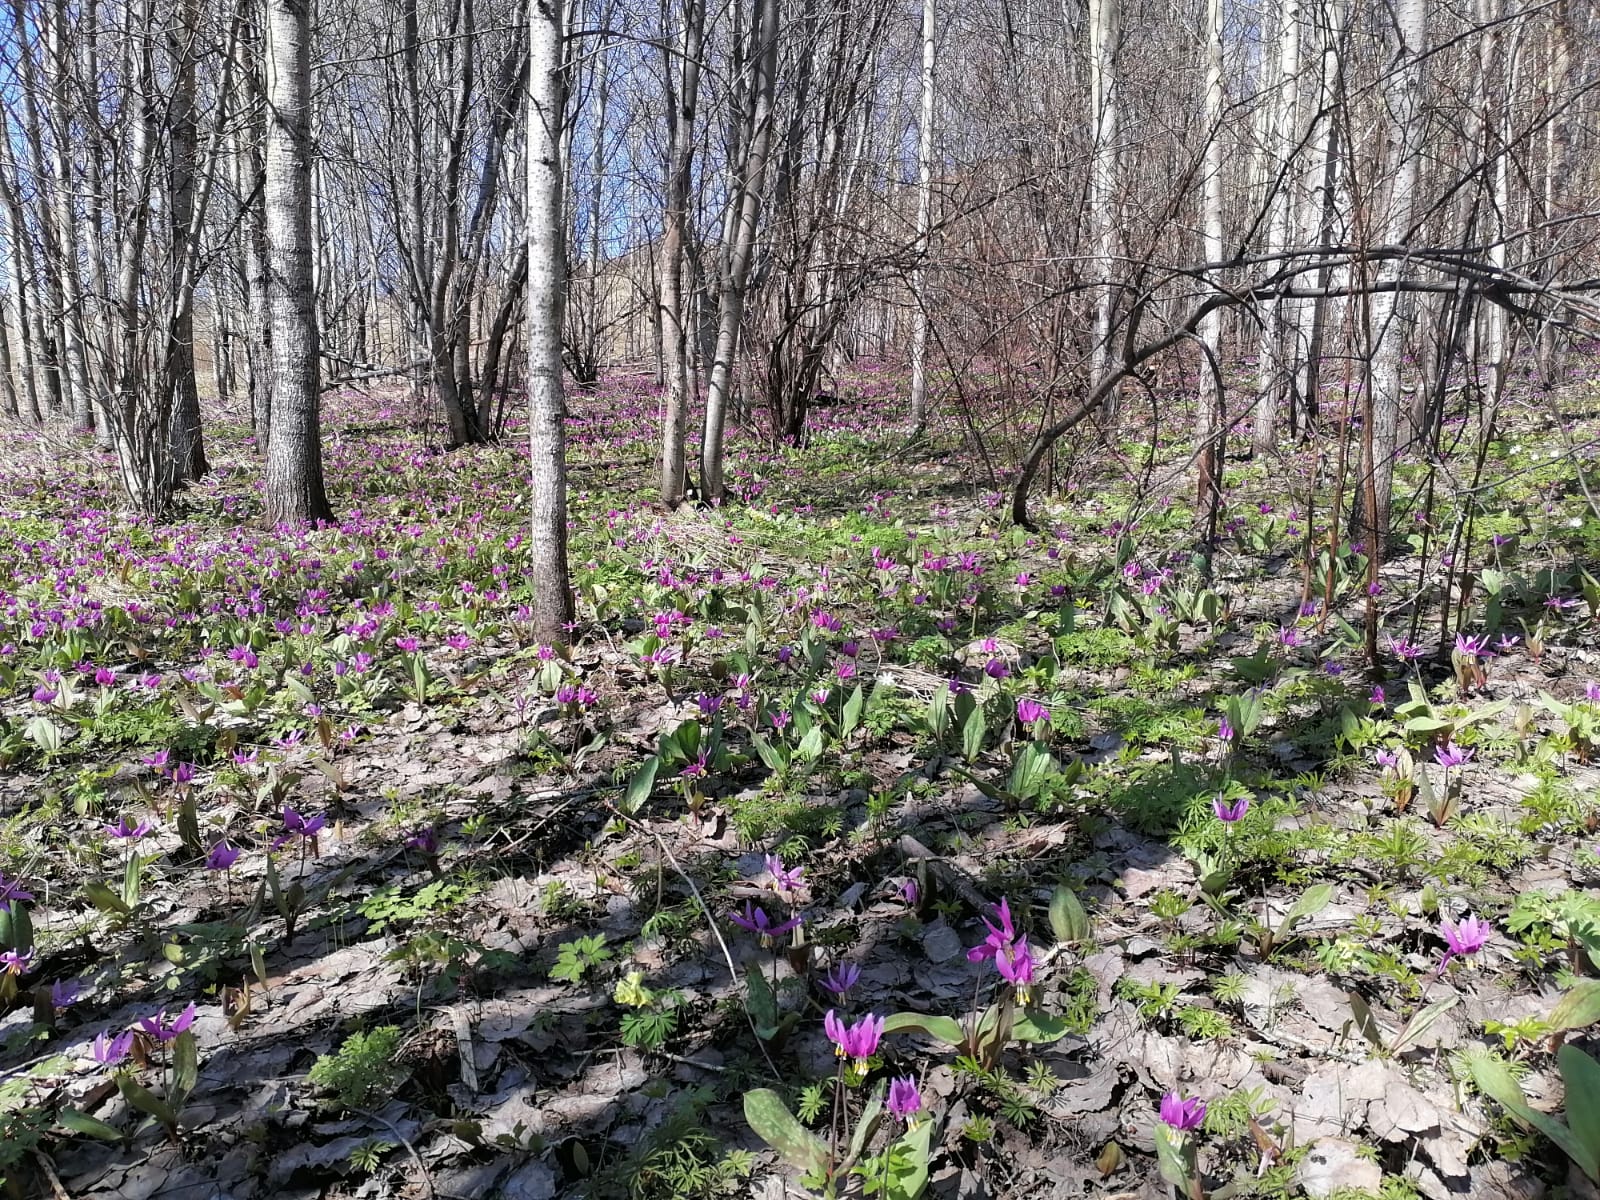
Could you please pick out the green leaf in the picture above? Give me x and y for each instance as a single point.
(75, 1121)
(185, 1067)
(908, 1172)
(1365, 1022)
(1038, 1027)
(102, 897)
(1068, 920)
(132, 880)
(762, 1002)
(942, 1029)
(866, 1126)
(973, 730)
(1421, 1021)
(939, 712)
(1493, 1078)
(775, 1125)
(641, 784)
(1173, 1157)
(1578, 1009)
(1581, 1073)
(775, 757)
(16, 928)
(812, 745)
(850, 715)
(146, 1102)
(1310, 904)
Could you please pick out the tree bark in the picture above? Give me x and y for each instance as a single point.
(682, 103)
(919, 289)
(739, 249)
(1392, 309)
(294, 485)
(547, 439)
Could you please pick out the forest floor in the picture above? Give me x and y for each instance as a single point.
(478, 940)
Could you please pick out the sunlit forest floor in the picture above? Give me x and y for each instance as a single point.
(460, 917)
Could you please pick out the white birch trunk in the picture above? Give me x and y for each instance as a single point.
(1392, 312)
(1271, 374)
(552, 606)
(919, 290)
(1211, 415)
(739, 247)
(1105, 112)
(294, 486)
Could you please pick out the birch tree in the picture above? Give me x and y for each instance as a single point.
(294, 486)
(747, 181)
(553, 605)
(1391, 309)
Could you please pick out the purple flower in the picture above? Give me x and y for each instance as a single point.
(1450, 755)
(10, 892)
(1591, 690)
(1030, 711)
(791, 880)
(64, 993)
(222, 857)
(105, 677)
(858, 1041)
(107, 1050)
(905, 1101)
(1464, 937)
(757, 922)
(1229, 813)
(1377, 697)
(157, 761)
(1000, 936)
(1015, 964)
(1387, 758)
(1472, 647)
(996, 668)
(1289, 636)
(1225, 732)
(1404, 650)
(909, 893)
(295, 825)
(166, 1029)
(1182, 1114)
(841, 977)
(126, 832)
(425, 842)
(14, 962)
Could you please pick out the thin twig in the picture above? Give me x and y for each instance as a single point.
(427, 1179)
(727, 955)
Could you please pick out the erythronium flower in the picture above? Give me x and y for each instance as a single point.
(126, 832)
(425, 842)
(1450, 755)
(858, 1041)
(1015, 964)
(1463, 937)
(64, 993)
(15, 962)
(10, 892)
(909, 893)
(1591, 690)
(1404, 650)
(1224, 731)
(905, 1100)
(295, 825)
(1000, 936)
(1030, 711)
(791, 880)
(166, 1029)
(1377, 697)
(107, 1050)
(755, 920)
(1474, 646)
(222, 857)
(841, 977)
(1229, 813)
(1181, 1114)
